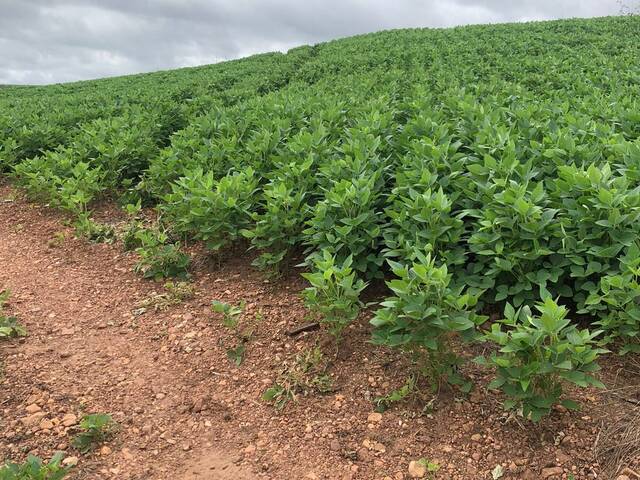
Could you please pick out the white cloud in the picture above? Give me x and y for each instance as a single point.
(44, 41)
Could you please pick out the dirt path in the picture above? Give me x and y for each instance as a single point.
(85, 353)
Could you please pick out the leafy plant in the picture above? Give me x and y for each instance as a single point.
(346, 225)
(422, 317)
(230, 313)
(35, 469)
(385, 402)
(236, 355)
(537, 354)
(93, 231)
(9, 326)
(95, 429)
(616, 302)
(334, 292)
(159, 258)
(214, 211)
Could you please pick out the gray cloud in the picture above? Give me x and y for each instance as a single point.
(46, 41)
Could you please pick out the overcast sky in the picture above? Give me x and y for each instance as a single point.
(48, 41)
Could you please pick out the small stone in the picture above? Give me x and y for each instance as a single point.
(562, 457)
(417, 469)
(33, 408)
(334, 445)
(476, 437)
(69, 419)
(70, 461)
(160, 396)
(32, 420)
(46, 424)
(105, 451)
(623, 477)
(375, 417)
(363, 454)
(552, 472)
(249, 449)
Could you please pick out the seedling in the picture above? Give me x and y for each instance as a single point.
(35, 469)
(385, 402)
(9, 326)
(94, 231)
(159, 258)
(95, 429)
(230, 313)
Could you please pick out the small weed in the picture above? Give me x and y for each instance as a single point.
(9, 326)
(95, 429)
(159, 258)
(57, 240)
(35, 469)
(431, 466)
(94, 231)
(236, 355)
(307, 373)
(230, 313)
(175, 294)
(385, 402)
(231, 319)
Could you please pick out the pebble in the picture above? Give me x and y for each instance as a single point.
(552, 471)
(32, 420)
(126, 453)
(375, 417)
(417, 469)
(33, 408)
(476, 437)
(46, 424)
(70, 461)
(105, 450)
(69, 419)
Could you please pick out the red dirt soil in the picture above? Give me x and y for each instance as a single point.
(186, 412)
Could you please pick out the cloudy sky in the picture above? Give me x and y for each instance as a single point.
(47, 41)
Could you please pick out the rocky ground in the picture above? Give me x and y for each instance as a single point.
(101, 340)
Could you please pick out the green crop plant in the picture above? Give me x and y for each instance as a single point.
(230, 313)
(422, 317)
(214, 211)
(9, 325)
(158, 257)
(537, 354)
(334, 292)
(519, 175)
(94, 429)
(35, 469)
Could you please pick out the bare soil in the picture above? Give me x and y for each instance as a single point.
(185, 411)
